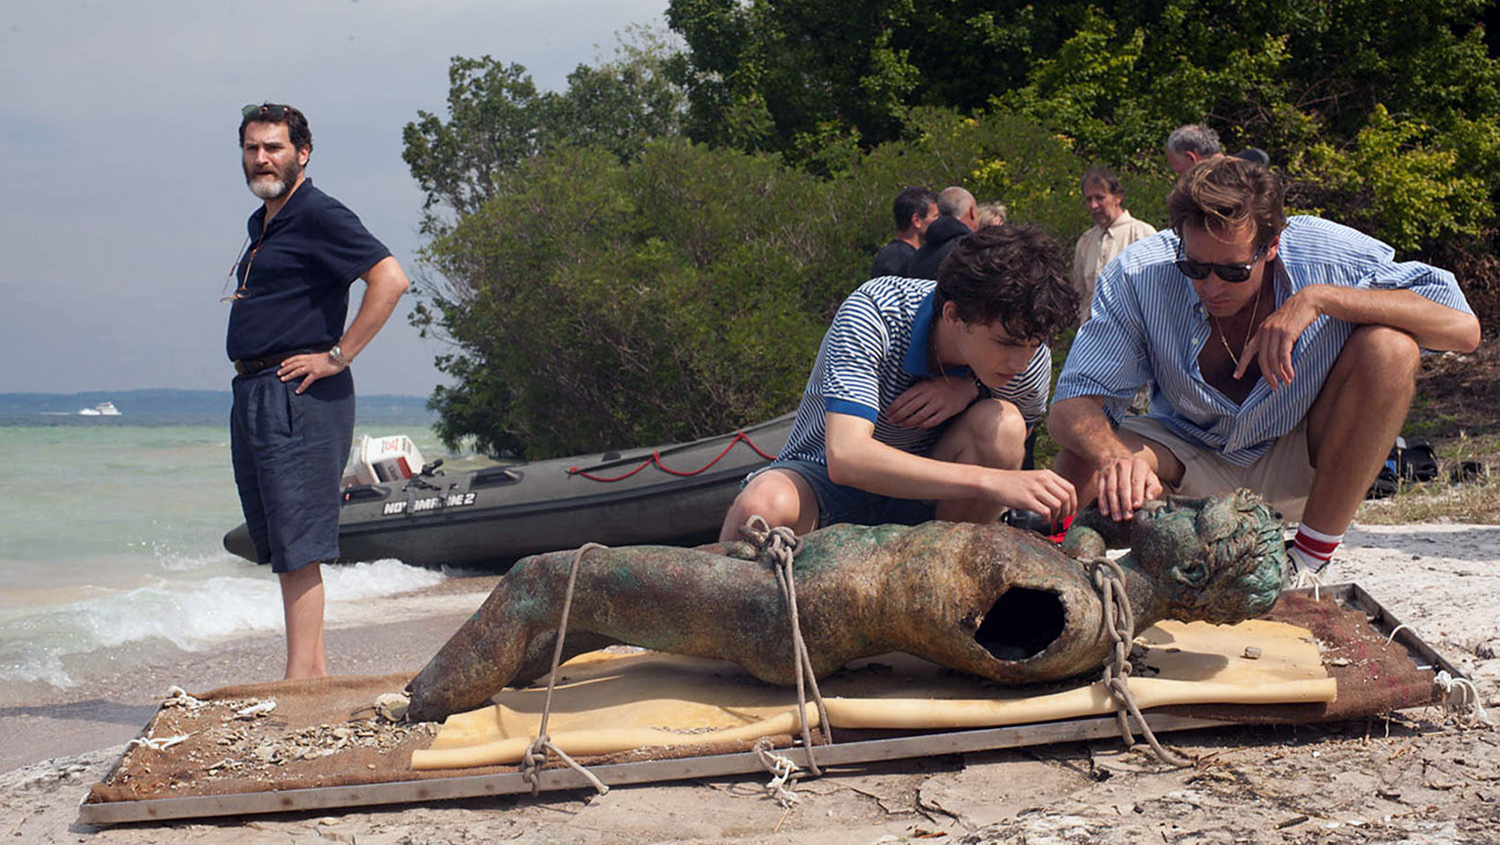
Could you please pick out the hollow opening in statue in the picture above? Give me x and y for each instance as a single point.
(1021, 624)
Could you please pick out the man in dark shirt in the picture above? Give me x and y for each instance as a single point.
(914, 210)
(958, 216)
(292, 422)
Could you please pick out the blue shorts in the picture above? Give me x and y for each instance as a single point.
(289, 453)
(841, 503)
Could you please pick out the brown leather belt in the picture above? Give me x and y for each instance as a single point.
(255, 365)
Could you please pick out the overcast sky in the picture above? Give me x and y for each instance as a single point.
(123, 204)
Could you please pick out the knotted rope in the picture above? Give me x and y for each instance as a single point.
(780, 544)
(1461, 698)
(782, 770)
(1119, 622)
(536, 754)
(1301, 578)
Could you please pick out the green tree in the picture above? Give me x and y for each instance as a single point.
(493, 124)
(622, 103)
(780, 74)
(1115, 76)
(597, 303)
(1118, 89)
(1398, 179)
(612, 304)
(497, 118)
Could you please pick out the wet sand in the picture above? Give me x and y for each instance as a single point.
(48, 722)
(1413, 777)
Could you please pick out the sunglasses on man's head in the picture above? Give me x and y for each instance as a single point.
(1199, 270)
(271, 110)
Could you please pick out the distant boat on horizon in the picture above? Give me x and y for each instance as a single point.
(103, 409)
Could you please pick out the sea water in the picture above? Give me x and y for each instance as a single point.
(111, 545)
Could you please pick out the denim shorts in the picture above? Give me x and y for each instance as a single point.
(840, 503)
(289, 452)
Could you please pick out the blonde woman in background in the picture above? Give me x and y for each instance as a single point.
(992, 214)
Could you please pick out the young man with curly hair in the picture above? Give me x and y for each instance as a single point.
(922, 396)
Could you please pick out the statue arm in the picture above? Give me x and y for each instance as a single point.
(1092, 533)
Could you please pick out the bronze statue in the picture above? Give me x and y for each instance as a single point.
(990, 600)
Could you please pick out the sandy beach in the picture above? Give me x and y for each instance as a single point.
(1414, 777)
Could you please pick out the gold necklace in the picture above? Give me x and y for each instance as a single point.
(1255, 309)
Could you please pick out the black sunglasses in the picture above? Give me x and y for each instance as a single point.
(1199, 270)
(273, 111)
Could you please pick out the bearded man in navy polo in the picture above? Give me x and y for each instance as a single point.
(292, 423)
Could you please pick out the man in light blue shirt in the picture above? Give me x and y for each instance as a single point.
(1282, 356)
(893, 427)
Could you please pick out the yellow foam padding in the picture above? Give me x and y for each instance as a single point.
(607, 703)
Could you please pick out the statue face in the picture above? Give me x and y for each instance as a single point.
(1223, 557)
(1165, 539)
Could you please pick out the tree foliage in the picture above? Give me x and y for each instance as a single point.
(605, 281)
(779, 74)
(494, 123)
(612, 304)
(1115, 75)
(596, 303)
(497, 119)
(1398, 179)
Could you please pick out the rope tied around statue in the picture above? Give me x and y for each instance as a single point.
(536, 754)
(851, 594)
(779, 545)
(1118, 617)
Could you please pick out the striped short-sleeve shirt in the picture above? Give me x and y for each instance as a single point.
(876, 349)
(1149, 326)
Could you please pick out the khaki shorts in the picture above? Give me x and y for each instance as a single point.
(1283, 475)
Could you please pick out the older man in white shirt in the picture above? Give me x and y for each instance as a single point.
(1112, 231)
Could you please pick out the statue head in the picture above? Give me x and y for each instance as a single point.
(1220, 559)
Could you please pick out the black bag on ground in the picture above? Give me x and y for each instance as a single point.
(1386, 483)
(1414, 459)
(1410, 461)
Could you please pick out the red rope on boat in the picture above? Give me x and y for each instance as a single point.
(739, 436)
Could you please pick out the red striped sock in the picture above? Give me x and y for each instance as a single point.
(1311, 548)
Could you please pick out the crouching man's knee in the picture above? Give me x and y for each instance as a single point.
(990, 433)
(1382, 355)
(780, 497)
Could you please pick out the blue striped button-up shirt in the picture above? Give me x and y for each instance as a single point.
(875, 350)
(1148, 326)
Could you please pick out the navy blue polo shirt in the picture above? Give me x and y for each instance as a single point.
(299, 269)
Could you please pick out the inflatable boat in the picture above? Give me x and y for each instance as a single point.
(396, 507)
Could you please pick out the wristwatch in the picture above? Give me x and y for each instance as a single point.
(337, 355)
